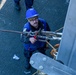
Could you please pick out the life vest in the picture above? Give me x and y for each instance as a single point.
(37, 44)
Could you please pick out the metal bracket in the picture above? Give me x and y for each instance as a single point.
(49, 66)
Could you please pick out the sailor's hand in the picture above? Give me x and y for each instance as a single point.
(32, 40)
(53, 52)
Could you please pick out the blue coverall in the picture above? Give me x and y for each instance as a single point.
(38, 46)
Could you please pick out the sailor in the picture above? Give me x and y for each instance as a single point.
(31, 44)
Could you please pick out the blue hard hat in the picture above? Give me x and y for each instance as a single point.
(31, 13)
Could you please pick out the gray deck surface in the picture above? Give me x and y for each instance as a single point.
(53, 11)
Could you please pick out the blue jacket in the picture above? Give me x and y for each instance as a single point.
(38, 44)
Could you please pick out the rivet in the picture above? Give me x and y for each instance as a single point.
(31, 62)
(40, 67)
(44, 59)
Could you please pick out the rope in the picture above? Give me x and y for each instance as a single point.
(12, 31)
(35, 72)
(50, 45)
(59, 29)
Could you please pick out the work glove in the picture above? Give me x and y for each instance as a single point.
(54, 51)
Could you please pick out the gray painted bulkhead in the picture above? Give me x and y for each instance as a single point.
(67, 49)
